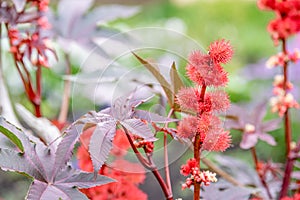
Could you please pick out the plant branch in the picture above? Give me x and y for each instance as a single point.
(62, 118)
(220, 172)
(151, 166)
(37, 99)
(140, 157)
(34, 97)
(259, 173)
(167, 170)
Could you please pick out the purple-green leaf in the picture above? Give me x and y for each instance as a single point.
(8, 130)
(19, 4)
(241, 119)
(43, 191)
(152, 117)
(101, 143)
(160, 78)
(79, 23)
(223, 189)
(53, 178)
(13, 161)
(107, 13)
(83, 180)
(64, 149)
(176, 82)
(121, 108)
(138, 128)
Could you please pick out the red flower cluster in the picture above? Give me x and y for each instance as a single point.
(41, 4)
(281, 58)
(287, 21)
(189, 98)
(205, 70)
(283, 99)
(129, 175)
(191, 168)
(31, 45)
(148, 146)
(295, 197)
(204, 128)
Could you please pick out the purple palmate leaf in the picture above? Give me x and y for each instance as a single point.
(11, 15)
(252, 125)
(51, 179)
(139, 128)
(152, 117)
(121, 108)
(247, 176)
(63, 152)
(122, 112)
(223, 189)
(41, 190)
(101, 143)
(79, 23)
(10, 161)
(19, 4)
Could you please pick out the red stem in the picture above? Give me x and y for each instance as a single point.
(166, 157)
(259, 173)
(197, 146)
(287, 131)
(34, 97)
(37, 99)
(151, 166)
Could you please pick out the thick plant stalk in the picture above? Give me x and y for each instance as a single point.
(38, 95)
(197, 147)
(287, 132)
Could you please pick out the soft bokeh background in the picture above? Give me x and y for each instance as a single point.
(241, 22)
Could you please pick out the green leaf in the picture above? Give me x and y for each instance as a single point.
(160, 78)
(10, 135)
(176, 83)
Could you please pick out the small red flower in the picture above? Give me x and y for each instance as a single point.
(220, 100)
(216, 138)
(196, 61)
(204, 71)
(43, 22)
(191, 168)
(287, 21)
(187, 127)
(188, 168)
(223, 142)
(220, 51)
(266, 4)
(190, 99)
